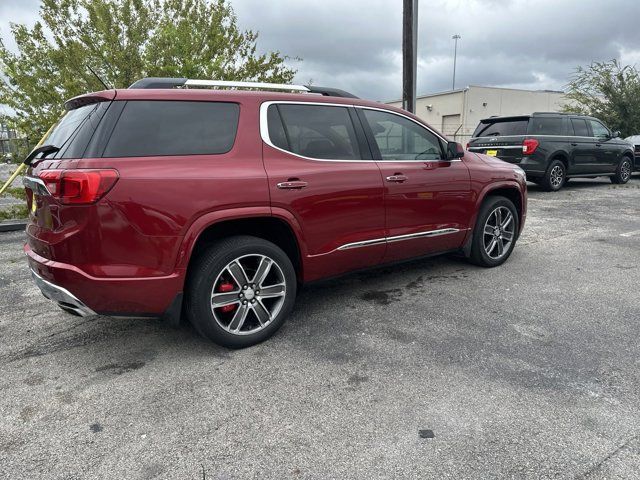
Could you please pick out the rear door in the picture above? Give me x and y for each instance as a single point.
(320, 169)
(584, 154)
(427, 198)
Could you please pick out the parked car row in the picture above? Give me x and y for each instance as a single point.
(554, 147)
(218, 204)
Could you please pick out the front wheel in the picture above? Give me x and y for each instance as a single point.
(623, 172)
(495, 233)
(240, 291)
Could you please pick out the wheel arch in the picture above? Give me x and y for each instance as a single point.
(258, 223)
(510, 190)
(562, 156)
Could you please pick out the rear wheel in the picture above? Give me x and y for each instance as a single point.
(495, 233)
(555, 177)
(240, 291)
(623, 172)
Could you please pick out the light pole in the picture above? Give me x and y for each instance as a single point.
(456, 37)
(409, 53)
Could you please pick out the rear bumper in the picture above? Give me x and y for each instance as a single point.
(84, 294)
(63, 297)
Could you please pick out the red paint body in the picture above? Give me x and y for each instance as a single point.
(129, 252)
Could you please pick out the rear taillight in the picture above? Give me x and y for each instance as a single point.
(79, 186)
(529, 146)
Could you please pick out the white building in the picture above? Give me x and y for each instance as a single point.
(456, 113)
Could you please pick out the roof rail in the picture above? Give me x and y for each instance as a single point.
(161, 82)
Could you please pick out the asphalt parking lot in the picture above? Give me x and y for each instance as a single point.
(530, 370)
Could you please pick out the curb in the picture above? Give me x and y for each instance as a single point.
(13, 226)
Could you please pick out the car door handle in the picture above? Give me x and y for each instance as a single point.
(397, 178)
(292, 185)
(598, 144)
(574, 144)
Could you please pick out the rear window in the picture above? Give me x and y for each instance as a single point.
(313, 131)
(158, 127)
(74, 131)
(501, 128)
(546, 126)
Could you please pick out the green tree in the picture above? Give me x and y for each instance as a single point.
(608, 91)
(123, 40)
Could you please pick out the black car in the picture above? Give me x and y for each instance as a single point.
(634, 140)
(552, 147)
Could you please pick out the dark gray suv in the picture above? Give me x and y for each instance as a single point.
(552, 147)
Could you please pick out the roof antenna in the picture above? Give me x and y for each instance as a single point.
(98, 77)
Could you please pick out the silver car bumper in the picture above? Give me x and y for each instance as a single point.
(63, 297)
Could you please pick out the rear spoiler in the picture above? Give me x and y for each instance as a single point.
(81, 100)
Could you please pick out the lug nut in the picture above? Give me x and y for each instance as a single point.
(244, 287)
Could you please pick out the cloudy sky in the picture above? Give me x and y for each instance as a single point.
(356, 44)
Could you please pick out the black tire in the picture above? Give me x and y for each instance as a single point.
(623, 172)
(550, 180)
(211, 267)
(479, 254)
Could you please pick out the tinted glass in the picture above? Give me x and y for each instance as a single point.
(73, 132)
(399, 138)
(317, 131)
(579, 127)
(148, 128)
(598, 129)
(501, 128)
(546, 126)
(276, 129)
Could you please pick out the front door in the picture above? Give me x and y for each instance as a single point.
(428, 200)
(585, 151)
(606, 150)
(320, 170)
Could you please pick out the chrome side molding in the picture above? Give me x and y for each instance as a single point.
(399, 238)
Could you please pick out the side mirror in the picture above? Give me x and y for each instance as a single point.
(454, 150)
(615, 134)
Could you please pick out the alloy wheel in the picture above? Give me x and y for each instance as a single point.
(499, 232)
(625, 170)
(556, 176)
(248, 294)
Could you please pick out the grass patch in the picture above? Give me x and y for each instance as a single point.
(14, 212)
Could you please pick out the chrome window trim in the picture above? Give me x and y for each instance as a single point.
(400, 238)
(529, 135)
(264, 130)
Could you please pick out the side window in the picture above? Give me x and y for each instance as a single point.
(580, 127)
(159, 127)
(546, 126)
(598, 129)
(399, 138)
(314, 131)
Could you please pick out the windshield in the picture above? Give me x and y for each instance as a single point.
(75, 129)
(501, 128)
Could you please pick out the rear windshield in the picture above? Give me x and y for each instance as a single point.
(159, 127)
(74, 130)
(501, 128)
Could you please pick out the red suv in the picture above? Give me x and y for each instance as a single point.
(181, 195)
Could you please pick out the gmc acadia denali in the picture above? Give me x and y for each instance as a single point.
(184, 196)
(553, 147)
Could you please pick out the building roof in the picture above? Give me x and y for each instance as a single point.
(459, 90)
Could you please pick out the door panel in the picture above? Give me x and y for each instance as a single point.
(428, 201)
(336, 201)
(606, 152)
(584, 159)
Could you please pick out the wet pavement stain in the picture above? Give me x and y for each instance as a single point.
(95, 427)
(382, 297)
(120, 368)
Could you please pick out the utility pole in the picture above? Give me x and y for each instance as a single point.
(409, 53)
(456, 37)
